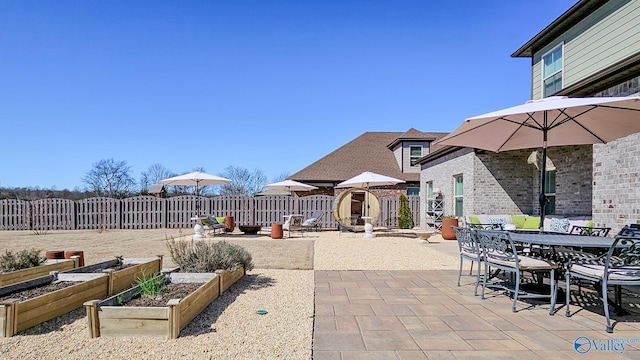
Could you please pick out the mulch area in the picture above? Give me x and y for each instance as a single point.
(37, 291)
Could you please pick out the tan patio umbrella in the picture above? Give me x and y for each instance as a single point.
(553, 121)
(290, 185)
(197, 179)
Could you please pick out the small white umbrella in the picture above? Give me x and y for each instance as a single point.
(197, 179)
(368, 179)
(290, 185)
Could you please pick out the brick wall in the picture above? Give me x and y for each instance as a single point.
(505, 183)
(616, 167)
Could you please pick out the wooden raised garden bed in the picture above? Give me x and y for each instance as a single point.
(132, 270)
(17, 276)
(110, 318)
(17, 315)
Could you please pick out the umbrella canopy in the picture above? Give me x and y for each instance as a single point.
(197, 179)
(274, 192)
(290, 185)
(553, 121)
(368, 179)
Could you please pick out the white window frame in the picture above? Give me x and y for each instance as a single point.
(561, 71)
(413, 159)
(429, 197)
(457, 196)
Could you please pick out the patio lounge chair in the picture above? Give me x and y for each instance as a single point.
(293, 223)
(620, 266)
(211, 224)
(312, 222)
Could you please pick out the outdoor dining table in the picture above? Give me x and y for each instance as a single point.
(557, 239)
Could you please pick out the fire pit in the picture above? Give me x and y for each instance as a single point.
(250, 229)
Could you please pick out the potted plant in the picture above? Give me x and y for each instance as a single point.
(447, 231)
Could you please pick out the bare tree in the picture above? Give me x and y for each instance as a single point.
(153, 175)
(110, 178)
(243, 181)
(280, 177)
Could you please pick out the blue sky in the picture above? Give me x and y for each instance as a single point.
(269, 85)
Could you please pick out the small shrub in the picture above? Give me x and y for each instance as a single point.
(405, 219)
(151, 285)
(200, 256)
(22, 260)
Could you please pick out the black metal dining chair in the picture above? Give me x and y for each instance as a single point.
(620, 266)
(500, 252)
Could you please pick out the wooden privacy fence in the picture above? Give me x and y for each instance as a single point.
(147, 212)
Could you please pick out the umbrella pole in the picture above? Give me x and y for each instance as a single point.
(542, 198)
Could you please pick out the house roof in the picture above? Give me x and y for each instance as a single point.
(368, 152)
(564, 22)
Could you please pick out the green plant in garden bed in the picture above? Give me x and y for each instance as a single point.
(201, 256)
(22, 260)
(151, 285)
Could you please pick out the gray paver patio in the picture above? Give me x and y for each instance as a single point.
(424, 315)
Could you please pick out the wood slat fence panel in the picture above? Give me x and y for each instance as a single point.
(180, 210)
(14, 215)
(98, 213)
(53, 214)
(307, 205)
(143, 212)
(146, 212)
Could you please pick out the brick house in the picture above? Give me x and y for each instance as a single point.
(387, 153)
(593, 49)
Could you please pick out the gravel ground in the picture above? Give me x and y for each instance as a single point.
(229, 328)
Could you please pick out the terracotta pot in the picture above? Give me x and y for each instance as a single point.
(229, 223)
(447, 231)
(55, 254)
(69, 254)
(276, 231)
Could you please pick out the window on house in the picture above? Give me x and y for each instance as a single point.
(552, 71)
(429, 196)
(413, 191)
(415, 154)
(550, 192)
(457, 195)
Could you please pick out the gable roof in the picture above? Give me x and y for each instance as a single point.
(368, 152)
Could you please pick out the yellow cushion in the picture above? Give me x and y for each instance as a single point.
(518, 220)
(532, 222)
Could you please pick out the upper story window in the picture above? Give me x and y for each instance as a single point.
(413, 191)
(415, 153)
(552, 71)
